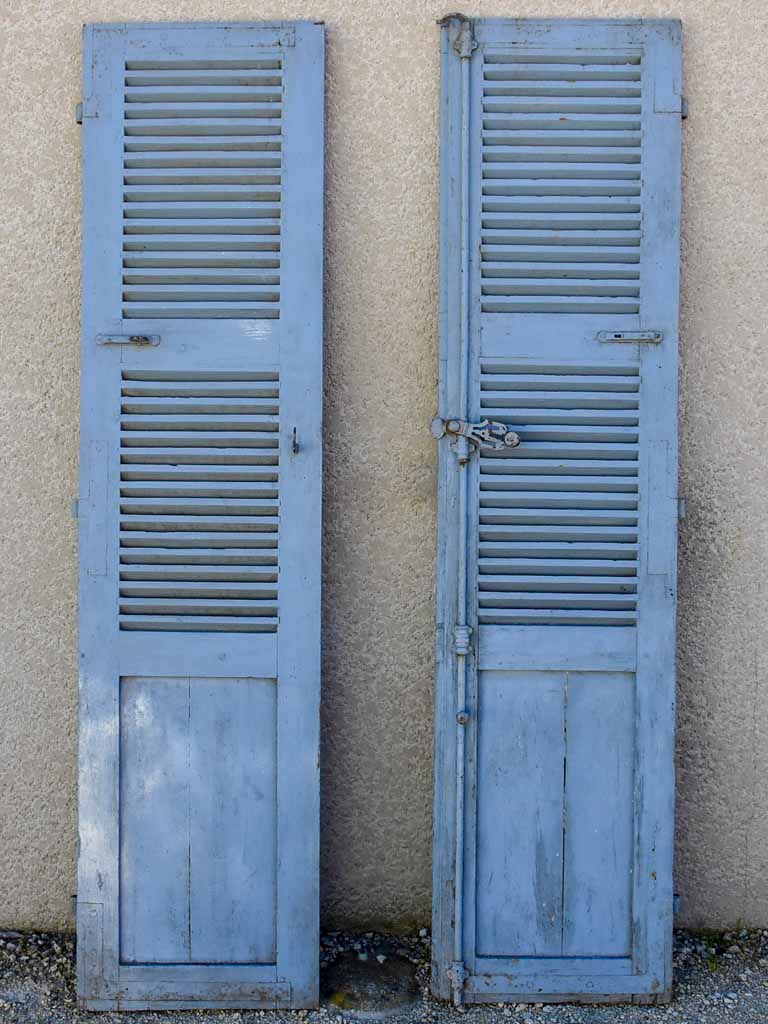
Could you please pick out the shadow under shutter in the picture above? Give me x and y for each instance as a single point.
(200, 528)
(557, 515)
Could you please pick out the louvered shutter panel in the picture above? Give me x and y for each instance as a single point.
(200, 515)
(556, 556)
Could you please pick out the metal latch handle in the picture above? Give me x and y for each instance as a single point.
(137, 340)
(485, 434)
(631, 337)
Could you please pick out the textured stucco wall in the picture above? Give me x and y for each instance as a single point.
(382, 222)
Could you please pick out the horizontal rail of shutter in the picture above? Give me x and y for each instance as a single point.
(558, 516)
(202, 189)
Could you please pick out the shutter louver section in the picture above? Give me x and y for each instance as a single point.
(202, 189)
(561, 183)
(558, 516)
(199, 501)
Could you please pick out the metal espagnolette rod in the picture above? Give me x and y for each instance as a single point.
(485, 434)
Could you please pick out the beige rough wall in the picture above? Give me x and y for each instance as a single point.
(382, 224)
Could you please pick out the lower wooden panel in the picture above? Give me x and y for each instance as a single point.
(555, 813)
(599, 814)
(520, 814)
(198, 858)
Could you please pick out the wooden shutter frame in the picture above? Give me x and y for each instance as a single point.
(652, 979)
(103, 982)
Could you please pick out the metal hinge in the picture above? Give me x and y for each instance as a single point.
(457, 974)
(79, 113)
(465, 43)
(683, 108)
(485, 434)
(75, 508)
(676, 904)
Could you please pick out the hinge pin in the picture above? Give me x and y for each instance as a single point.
(462, 637)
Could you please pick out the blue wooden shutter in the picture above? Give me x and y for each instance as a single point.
(200, 529)
(556, 555)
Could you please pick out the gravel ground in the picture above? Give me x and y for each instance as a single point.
(718, 978)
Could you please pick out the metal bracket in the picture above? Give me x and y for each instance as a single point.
(79, 113)
(683, 108)
(485, 434)
(75, 508)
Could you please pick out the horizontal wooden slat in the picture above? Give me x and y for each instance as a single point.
(198, 544)
(198, 128)
(560, 134)
(558, 516)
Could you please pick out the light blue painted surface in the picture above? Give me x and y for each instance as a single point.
(200, 539)
(521, 748)
(573, 181)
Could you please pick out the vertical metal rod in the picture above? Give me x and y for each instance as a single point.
(462, 452)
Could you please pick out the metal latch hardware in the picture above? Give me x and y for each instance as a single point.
(485, 434)
(649, 337)
(139, 340)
